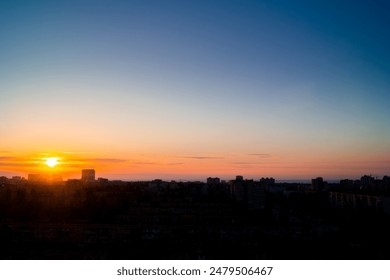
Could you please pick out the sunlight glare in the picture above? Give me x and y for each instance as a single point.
(51, 162)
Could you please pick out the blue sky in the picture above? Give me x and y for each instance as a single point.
(305, 81)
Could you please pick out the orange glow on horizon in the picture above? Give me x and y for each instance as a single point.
(197, 166)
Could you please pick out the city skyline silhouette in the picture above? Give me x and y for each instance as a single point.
(97, 218)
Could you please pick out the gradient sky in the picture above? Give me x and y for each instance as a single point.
(190, 89)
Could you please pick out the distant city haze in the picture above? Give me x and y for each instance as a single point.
(185, 90)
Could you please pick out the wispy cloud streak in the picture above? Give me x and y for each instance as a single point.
(202, 157)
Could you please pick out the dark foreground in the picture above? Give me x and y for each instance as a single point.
(185, 221)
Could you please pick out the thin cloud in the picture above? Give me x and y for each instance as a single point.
(260, 155)
(104, 160)
(7, 161)
(147, 163)
(89, 161)
(204, 157)
(6, 158)
(144, 162)
(17, 164)
(248, 163)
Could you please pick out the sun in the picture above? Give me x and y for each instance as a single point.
(51, 162)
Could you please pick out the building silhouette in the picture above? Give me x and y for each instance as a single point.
(35, 178)
(88, 175)
(317, 184)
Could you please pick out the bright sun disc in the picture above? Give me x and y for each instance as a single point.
(51, 162)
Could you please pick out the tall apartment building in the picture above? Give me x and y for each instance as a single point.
(88, 175)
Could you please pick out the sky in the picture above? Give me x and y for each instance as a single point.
(184, 90)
